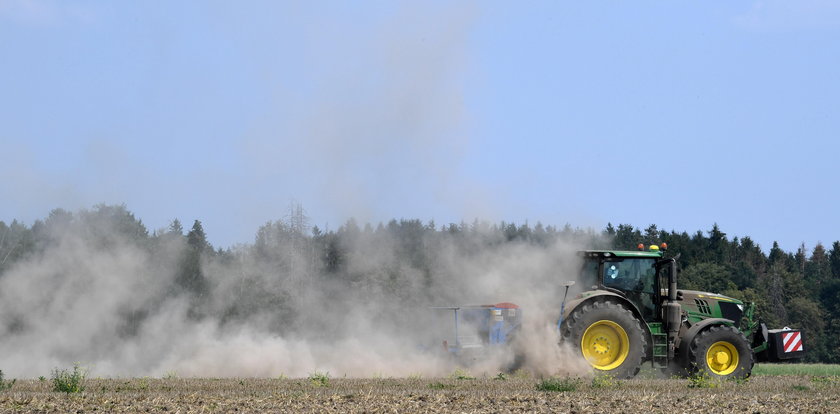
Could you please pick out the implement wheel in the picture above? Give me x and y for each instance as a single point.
(608, 336)
(720, 352)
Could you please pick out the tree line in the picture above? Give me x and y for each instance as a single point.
(292, 264)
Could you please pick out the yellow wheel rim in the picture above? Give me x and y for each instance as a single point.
(605, 345)
(722, 358)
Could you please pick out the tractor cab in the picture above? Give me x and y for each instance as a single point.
(640, 276)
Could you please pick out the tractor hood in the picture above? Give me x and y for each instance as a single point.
(695, 294)
(702, 305)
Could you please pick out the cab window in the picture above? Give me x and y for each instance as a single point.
(637, 279)
(630, 274)
(590, 270)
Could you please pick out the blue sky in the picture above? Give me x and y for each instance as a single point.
(677, 114)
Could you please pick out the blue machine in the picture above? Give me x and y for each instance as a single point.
(480, 326)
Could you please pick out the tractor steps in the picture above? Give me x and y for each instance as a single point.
(660, 350)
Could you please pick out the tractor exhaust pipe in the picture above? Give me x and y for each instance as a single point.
(672, 282)
(673, 310)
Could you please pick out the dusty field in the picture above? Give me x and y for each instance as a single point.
(762, 394)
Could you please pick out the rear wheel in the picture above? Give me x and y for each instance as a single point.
(720, 352)
(608, 336)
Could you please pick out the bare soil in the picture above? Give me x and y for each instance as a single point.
(763, 394)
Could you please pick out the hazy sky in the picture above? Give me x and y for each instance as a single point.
(683, 115)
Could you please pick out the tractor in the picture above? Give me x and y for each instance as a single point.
(635, 313)
(632, 312)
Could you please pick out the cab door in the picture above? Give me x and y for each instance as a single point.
(636, 278)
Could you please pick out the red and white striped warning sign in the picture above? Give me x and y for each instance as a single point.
(792, 341)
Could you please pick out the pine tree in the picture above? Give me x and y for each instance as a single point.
(776, 254)
(834, 260)
(719, 250)
(196, 238)
(175, 228)
(190, 278)
(800, 258)
(817, 270)
(651, 235)
(774, 291)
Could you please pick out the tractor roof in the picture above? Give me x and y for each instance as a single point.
(656, 254)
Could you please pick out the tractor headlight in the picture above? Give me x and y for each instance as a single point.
(741, 307)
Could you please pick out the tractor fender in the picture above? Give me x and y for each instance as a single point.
(603, 294)
(696, 329)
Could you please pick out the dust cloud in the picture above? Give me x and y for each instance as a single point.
(95, 293)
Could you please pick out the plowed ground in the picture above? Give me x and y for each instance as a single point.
(761, 394)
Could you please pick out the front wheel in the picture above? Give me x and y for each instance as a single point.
(608, 336)
(721, 352)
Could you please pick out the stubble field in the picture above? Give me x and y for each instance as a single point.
(760, 394)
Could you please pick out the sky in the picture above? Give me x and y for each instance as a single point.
(677, 114)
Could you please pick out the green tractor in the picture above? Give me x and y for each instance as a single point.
(635, 313)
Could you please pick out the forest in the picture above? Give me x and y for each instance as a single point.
(295, 278)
